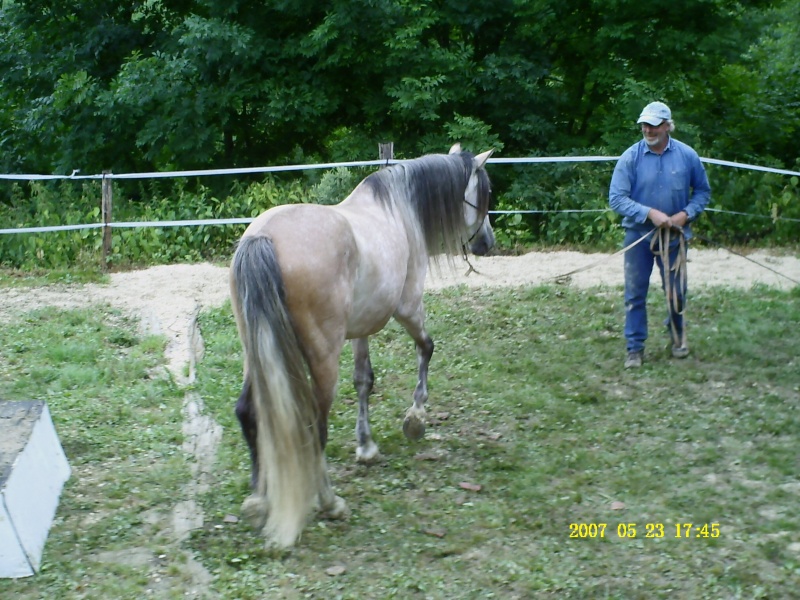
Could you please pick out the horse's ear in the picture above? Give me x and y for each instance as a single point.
(455, 148)
(481, 159)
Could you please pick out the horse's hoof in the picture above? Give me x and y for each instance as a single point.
(255, 510)
(413, 428)
(368, 454)
(338, 510)
(276, 547)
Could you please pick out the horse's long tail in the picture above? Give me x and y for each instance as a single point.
(289, 453)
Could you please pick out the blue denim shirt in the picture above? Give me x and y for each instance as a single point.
(670, 182)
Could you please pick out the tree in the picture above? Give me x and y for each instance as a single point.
(55, 56)
(175, 84)
(757, 104)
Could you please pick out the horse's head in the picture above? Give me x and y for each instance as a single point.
(477, 196)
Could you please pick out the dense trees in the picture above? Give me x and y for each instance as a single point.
(163, 84)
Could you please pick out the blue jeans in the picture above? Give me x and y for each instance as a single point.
(638, 268)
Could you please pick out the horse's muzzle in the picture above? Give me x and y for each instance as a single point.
(483, 241)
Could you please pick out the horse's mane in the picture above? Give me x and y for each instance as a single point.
(432, 188)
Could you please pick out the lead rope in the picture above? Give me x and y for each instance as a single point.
(466, 258)
(663, 239)
(565, 278)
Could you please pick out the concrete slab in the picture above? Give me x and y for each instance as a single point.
(33, 470)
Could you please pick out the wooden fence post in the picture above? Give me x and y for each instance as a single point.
(106, 209)
(386, 152)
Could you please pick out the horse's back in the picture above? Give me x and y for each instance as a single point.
(309, 240)
(344, 264)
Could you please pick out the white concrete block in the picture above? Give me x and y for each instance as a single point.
(33, 470)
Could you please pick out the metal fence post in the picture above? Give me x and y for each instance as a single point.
(386, 152)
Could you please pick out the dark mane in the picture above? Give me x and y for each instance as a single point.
(433, 188)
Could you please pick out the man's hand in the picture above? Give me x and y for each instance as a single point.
(679, 219)
(659, 219)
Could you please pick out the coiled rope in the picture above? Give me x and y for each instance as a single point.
(674, 286)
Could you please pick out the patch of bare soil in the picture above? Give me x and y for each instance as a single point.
(705, 268)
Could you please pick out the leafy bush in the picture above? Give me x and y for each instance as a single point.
(773, 200)
(552, 189)
(336, 184)
(769, 204)
(44, 204)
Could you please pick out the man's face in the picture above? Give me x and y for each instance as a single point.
(655, 136)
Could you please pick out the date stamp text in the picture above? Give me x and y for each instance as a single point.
(644, 530)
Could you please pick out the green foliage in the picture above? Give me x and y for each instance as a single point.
(756, 105)
(192, 243)
(473, 134)
(554, 194)
(773, 199)
(335, 185)
(551, 190)
(155, 86)
(45, 204)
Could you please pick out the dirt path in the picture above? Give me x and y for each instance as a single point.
(166, 298)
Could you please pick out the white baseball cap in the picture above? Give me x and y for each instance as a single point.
(655, 113)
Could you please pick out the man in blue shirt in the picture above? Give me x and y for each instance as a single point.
(658, 182)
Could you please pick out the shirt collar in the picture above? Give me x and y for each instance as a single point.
(667, 147)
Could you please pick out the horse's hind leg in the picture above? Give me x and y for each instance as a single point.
(363, 379)
(245, 412)
(252, 509)
(331, 505)
(414, 423)
(325, 374)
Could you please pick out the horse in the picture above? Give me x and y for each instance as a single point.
(306, 278)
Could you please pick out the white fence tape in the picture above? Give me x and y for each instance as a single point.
(366, 163)
(203, 172)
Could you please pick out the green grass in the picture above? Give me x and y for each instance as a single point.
(118, 417)
(32, 277)
(530, 402)
(528, 399)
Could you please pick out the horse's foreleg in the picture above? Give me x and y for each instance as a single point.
(414, 423)
(245, 412)
(363, 379)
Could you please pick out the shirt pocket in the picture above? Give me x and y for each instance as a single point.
(679, 181)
